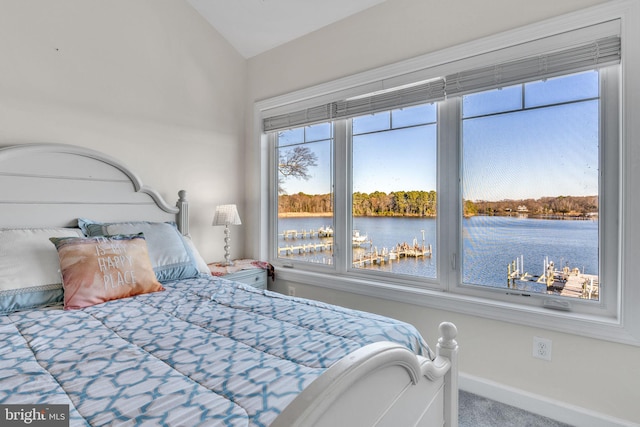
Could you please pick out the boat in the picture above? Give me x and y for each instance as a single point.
(359, 239)
(325, 231)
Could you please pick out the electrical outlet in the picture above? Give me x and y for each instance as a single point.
(292, 291)
(542, 348)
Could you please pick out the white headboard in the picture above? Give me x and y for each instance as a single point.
(51, 185)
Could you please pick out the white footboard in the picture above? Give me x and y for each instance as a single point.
(382, 384)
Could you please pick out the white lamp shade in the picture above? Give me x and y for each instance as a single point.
(226, 215)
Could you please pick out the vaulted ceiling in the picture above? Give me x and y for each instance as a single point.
(255, 26)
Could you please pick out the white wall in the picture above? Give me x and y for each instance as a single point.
(497, 352)
(146, 81)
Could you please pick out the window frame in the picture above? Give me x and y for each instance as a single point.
(608, 215)
(621, 325)
(407, 280)
(273, 256)
(274, 148)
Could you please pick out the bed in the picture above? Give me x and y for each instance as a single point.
(141, 334)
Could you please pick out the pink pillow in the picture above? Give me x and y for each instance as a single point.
(104, 268)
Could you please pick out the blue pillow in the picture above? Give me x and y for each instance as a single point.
(170, 256)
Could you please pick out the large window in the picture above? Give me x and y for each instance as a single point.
(529, 197)
(486, 179)
(530, 186)
(394, 201)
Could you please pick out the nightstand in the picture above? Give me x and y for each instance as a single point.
(256, 277)
(247, 271)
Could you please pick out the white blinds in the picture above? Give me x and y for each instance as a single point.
(307, 116)
(389, 100)
(577, 50)
(407, 96)
(590, 56)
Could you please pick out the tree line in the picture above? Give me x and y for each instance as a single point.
(424, 204)
(565, 206)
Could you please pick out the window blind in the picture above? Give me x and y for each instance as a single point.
(405, 96)
(589, 56)
(307, 116)
(577, 50)
(431, 91)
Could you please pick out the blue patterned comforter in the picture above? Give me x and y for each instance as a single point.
(204, 352)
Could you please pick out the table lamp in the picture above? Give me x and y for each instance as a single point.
(226, 215)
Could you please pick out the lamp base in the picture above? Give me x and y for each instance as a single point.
(227, 239)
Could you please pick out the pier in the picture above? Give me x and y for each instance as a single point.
(372, 257)
(305, 248)
(416, 251)
(384, 256)
(570, 282)
(322, 232)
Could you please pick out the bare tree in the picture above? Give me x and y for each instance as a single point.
(295, 163)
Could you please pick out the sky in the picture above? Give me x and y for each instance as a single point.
(550, 148)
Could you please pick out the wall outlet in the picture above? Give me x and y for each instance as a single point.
(542, 348)
(292, 291)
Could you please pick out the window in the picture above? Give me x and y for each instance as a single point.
(394, 201)
(529, 199)
(530, 187)
(498, 175)
(304, 158)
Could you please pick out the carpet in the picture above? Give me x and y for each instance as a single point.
(477, 411)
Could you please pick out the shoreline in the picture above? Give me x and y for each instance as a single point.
(305, 214)
(521, 216)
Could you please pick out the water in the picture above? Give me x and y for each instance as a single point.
(489, 243)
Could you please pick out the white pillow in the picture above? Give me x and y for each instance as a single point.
(203, 268)
(30, 267)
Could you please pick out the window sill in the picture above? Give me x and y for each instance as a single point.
(608, 329)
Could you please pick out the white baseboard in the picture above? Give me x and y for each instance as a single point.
(559, 411)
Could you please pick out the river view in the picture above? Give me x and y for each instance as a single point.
(490, 244)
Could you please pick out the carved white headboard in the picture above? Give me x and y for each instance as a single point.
(51, 185)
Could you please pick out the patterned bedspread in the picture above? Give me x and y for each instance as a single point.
(204, 352)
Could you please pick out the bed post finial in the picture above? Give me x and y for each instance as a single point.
(448, 333)
(182, 217)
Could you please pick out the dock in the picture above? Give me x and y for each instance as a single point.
(575, 284)
(304, 248)
(322, 232)
(321, 240)
(566, 282)
(371, 258)
(416, 251)
(401, 251)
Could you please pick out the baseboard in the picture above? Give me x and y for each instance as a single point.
(562, 412)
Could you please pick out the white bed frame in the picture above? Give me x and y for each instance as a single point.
(383, 384)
